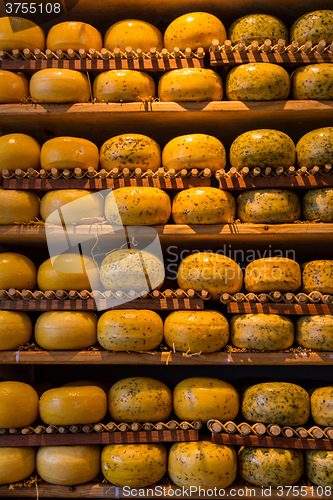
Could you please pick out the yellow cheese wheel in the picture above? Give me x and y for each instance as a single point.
(270, 466)
(19, 151)
(190, 84)
(314, 81)
(263, 332)
(257, 27)
(139, 399)
(130, 330)
(16, 464)
(315, 332)
(209, 271)
(269, 206)
(15, 329)
(137, 206)
(272, 273)
(17, 206)
(202, 465)
(318, 205)
(73, 405)
(68, 465)
(322, 406)
(69, 153)
(20, 33)
(14, 87)
(205, 205)
(194, 151)
(194, 30)
(319, 467)
(134, 465)
(314, 26)
(318, 275)
(68, 272)
(68, 330)
(203, 398)
(124, 85)
(18, 404)
(59, 86)
(315, 148)
(17, 271)
(74, 35)
(196, 331)
(135, 34)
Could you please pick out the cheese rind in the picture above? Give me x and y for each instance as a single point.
(315, 332)
(318, 275)
(272, 273)
(322, 406)
(190, 84)
(315, 148)
(73, 35)
(257, 27)
(16, 463)
(126, 85)
(314, 26)
(59, 86)
(269, 206)
(314, 81)
(133, 33)
(318, 205)
(319, 467)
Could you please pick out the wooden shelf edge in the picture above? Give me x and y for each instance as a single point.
(279, 308)
(274, 181)
(273, 442)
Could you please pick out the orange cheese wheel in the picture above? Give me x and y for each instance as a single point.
(18, 404)
(17, 271)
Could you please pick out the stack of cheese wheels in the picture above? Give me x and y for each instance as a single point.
(272, 273)
(257, 27)
(20, 33)
(74, 35)
(315, 148)
(318, 275)
(15, 329)
(69, 153)
(18, 206)
(124, 85)
(14, 87)
(17, 271)
(313, 26)
(18, 151)
(190, 84)
(72, 206)
(18, 405)
(135, 34)
(319, 467)
(16, 464)
(314, 81)
(318, 205)
(269, 206)
(59, 86)
(315, 332)
(322, 406)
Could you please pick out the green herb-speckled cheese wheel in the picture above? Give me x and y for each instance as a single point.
(190, 84)
(126, 85)
(257, 82)
(322, 406)
(319, 467)
(318, 275)
(315, 332)
(314, 26)
(314, 81)
(318, 205)
(270, 466)
(262, 148)
(196, 331)
(257, 27)
(315, 148)
(206, 205)
(272, 273)
(268, 206)
(264, 332)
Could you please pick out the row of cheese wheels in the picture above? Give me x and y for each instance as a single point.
(183, 331)
(199, 467)
(144, 399)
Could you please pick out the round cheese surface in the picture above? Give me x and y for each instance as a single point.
(314, 81)
(318, 275)
(124, 85)
(69, 153)
(18, 206)
(272, 273)
(16, 463)
(135, 34)
(19, 151)
(269, 206)
(15, 329)
(318, 205)
(314, 26)
(14, 87)
(74, 35)
(322, 406)
(20, 33)
(257, 27)
(315, 332)
(59, 86)
(18, 405)
(319, 467)
(315, 148)
(17, 271)
(190, 84)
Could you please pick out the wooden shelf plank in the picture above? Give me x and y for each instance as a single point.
(273, 442)
(279, 181)
(279, 308)
(285, 58)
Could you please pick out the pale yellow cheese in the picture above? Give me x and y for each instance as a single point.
(319, 467)
(315, 332)
(318, 275)
(16, 463)
(318, 205)
(269, 206)
(322, 406)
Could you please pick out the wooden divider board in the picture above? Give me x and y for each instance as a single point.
(277, 181)
(297, 58)
(273, 442)
(279, 308)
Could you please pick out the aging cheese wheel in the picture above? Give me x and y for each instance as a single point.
(18, 404)
(124, 85)
(315, 148)
(135, 34)
(73, 35)
(134, 465)
(190, 84)
(19, 151)
(313, 26)
(15, 329)
(14, 87)
(314, 81)
(318, 205)
(262, 332)
(18, 206)
(202, 464)
(315, 332)
(269, 206)
(279, 403)
(322, 406)
(16, 463)
(59, 86)
(257, 27)
(20, 33)
(270, 466)
(69, 153)
(318, 275)
(203, 398)
(257, 82)
(17, 271)
(319, 467)
(272, 273)
(139, 399)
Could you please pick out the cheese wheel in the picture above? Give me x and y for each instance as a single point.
(135, 34)
(69, 153)
(77, 206)
(315, 332)
(190, 84)
(262, 332)
(137, 206)
(59, 86)
(272, 273)
(319, 467)
(68, 465)
(130, 330)
(18, 405)
(18, 206)
(73, 35)
(262, 148)
(17, 271)
(16, 463)
(139, 399)
(15, 329)
(73, 405)
(202, 464)
(314, 26)
(20, 33)
(196, 331)
(318, 275)
(269, 206)
(14, 87)
(322, 406)
(68, 272)
(257, 82)
(130, 151)
(19, 151)
(315, 148)
(198, 151)
(194, 30)
(66, 330)
(124, 85)
(209, 271)
(318, 205)
(270, 466)
(203, 398)
(205, 205)
(314, 81)
(279, 403)
(257, 27)
(134, 465)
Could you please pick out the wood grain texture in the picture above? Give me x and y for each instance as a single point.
(278, 308)
(279, 181)
(286, 58)
(273, 442)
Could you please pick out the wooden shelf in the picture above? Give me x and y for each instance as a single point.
(273, 442)
(279, 308)
(276, 181)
